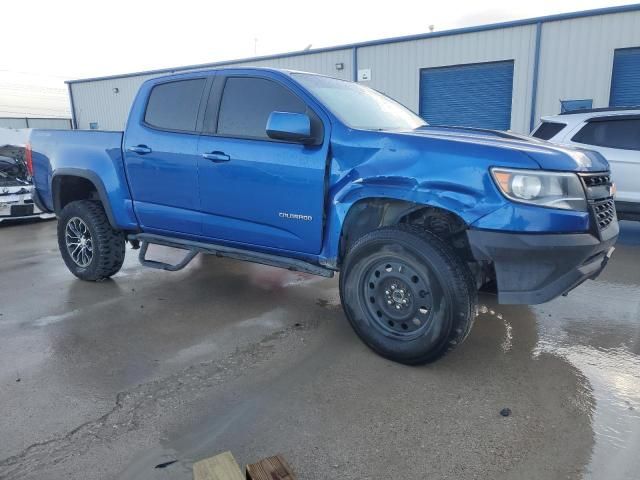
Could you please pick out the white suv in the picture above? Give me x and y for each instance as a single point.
(615, 133)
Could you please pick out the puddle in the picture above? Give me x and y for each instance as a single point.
(597, 329)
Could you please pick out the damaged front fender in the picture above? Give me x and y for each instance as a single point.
(399, 171)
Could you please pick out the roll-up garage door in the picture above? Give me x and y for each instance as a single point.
(473, 95)
(625, 80)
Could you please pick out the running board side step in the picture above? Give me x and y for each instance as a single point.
(191, 254)
(193, 248)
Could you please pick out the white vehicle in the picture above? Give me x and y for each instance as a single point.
(15, 186)
(615, 133)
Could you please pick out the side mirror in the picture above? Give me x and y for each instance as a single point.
(291, 127)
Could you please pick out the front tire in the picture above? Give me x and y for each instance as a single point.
(90, 247)
(407, 295)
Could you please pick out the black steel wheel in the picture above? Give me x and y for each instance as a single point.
(401, 299)
(407, 294)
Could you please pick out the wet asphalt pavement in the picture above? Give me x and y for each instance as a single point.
(104, 381)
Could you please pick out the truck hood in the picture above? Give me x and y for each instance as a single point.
(13, 169)
(547, 155)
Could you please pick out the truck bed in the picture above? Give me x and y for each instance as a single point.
(93, 152)
(91, 155)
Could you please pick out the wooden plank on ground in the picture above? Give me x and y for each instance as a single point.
(270, 468)
(220, 467)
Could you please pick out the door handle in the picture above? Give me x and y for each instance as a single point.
(139, 149)
(217, 156)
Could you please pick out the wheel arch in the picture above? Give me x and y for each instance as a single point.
(71, 184)
(370, 213)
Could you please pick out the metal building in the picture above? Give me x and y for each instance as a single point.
(54, 123)
(502, 76)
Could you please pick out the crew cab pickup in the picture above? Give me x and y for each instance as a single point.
(320, 175)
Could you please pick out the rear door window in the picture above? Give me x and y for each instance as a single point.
(247, 103)
(612, 133)
(174, 105)
(548, 130)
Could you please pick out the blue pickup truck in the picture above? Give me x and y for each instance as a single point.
(319, 175)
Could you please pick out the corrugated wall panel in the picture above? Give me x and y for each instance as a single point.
(576, 58)
(324, 63)
(395, 68)
(95, 101)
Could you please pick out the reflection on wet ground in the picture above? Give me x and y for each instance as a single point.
(597, 329)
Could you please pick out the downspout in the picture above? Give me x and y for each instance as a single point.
(534, 86)
(74, 123)
(354, 63)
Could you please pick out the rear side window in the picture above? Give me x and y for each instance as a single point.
(548, 130)
(247, 103)
(174, 105)
(623, 133)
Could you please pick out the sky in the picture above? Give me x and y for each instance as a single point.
(48, 41)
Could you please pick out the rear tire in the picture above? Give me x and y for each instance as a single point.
(90, 247)
(407, 295)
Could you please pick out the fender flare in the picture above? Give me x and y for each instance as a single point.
(87, 175)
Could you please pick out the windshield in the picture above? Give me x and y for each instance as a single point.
(358, 106)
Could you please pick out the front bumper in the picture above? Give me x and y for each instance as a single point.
(535, 268)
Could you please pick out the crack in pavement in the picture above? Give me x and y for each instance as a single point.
(132, 408)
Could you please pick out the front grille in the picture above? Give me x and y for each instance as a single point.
(604, 212)
(597, 180)
(601, 204)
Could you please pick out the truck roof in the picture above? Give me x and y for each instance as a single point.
(193, 73)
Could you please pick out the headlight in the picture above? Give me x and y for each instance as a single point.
(545, 189)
